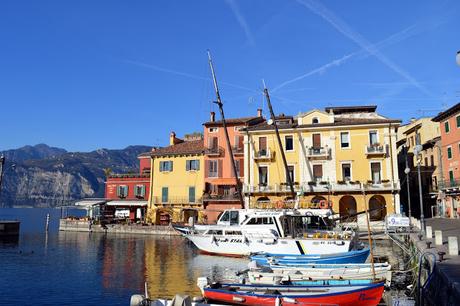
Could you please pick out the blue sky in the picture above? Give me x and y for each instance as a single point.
(89, 74)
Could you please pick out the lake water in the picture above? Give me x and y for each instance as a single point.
(64, 268)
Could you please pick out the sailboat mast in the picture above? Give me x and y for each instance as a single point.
(272, 115)
(369, 237)
(224, 123)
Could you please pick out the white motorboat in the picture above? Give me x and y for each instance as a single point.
(284, 274)
(287, 231)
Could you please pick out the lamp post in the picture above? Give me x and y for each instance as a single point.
(407, 171)
(417, 151)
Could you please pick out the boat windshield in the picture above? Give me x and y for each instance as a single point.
(230, 217)
(297, 225)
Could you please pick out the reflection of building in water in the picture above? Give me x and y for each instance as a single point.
(167, 267)
(123, 262)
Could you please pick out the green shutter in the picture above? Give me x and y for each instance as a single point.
(187, 165)
(449, 153)
(197, 164)
(164, 194)
(446, 126)
(191, 194)
(171, 166)
(458, 121)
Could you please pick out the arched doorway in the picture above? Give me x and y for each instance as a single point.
(316, 200)
(347, 208)
(190, 213)
(163, 217)
(262, 202)
(377, 208)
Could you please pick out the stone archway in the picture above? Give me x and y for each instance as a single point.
(377, 208)
(348, 208)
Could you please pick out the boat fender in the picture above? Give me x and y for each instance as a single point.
(289, 300)
(136, 300)
(202, 282)
(239, 299)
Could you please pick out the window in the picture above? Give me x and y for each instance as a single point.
(451, 177)
(213, 143)
(289, 143)
(458, 121)
(375, 173)
(122, 191)
(262, 146)
(446, 126)
(426, 161)
(346, 171)
(315, 120)
(192, 165)
(373, 140)
(164, 194)
(213, 172)
(316, 140)
(449, 152)
(234, 218)
(233, 233)
(239, 142)
(139, 191)
(166, 166)
(213, 130)
(291, 173)
(260, 221)
(263, 175)
(317, 172)
(191, 194)
(432, 160)
(344, 139)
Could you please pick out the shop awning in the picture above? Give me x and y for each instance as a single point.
(127, 203)
(89, 202)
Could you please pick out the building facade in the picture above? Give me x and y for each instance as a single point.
(449, 123)
(426, 134)
(343, 157)
(177, 181)
(126, 194)
(220, 191)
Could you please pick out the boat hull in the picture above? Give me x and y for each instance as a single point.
(365, 295)
(288, 260)
(245, 246)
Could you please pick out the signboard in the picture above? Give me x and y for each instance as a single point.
(397, 220)
(122, 213)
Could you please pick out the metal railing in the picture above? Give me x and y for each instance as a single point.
(176, 201)
(375, 149)
(215, 151)
(263, 154)
(319, 152)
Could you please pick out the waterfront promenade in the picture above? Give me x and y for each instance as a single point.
(444, 287)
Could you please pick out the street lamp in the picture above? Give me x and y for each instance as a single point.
(417, 150)
(407, 171)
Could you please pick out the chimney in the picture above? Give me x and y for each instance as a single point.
(259, 112)
(213, 117)
(412, 120)
(172, 138)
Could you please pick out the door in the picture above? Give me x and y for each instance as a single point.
(263, 175)
(375, 172)
(262, 146)
(316, 141)
(164, 194)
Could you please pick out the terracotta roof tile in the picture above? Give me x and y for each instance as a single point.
(242, 120)
(183, 148)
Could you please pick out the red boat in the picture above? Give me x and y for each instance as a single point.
(239, 294)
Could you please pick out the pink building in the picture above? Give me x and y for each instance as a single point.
(220, 185)
(449, 121)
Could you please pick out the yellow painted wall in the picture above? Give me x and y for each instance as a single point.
(179, 180)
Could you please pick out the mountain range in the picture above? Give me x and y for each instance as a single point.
(44, 176)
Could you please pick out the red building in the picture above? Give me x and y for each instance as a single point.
(449, 121)
(220, 185)
(127, 194)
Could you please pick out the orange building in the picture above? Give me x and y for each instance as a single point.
(220, 185)
(449, 121)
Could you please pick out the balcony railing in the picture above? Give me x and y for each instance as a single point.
(176, 201)
(221, 197)
(375, 149)
(447, 184)
(319, 153)
(214, 151)
(238, 150)
(265, 154)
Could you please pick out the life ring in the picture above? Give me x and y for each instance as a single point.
(323, 204)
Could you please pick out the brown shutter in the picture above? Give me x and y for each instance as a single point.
(241, 167)
(316, 141)
(219, 166)
(206, 168)
(317, 170)
(262, 143)
(240, 142)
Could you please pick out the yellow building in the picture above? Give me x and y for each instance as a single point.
(177, 181)
(342, 156)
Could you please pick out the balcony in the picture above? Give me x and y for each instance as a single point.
(214, 151)
(265, 154)
(221, 197)
(318, 153)
(178, 201)
(277, 188)
(238, 150)
(375, 150)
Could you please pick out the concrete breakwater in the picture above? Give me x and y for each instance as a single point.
(76, 225)
(440, 273)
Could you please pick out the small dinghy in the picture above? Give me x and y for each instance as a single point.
(276, 274)
(342, 295)
(267, 259)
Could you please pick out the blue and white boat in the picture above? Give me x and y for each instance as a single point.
(268, 259)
